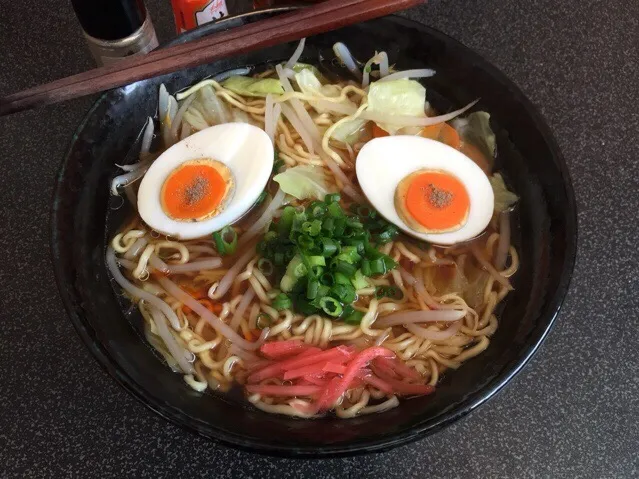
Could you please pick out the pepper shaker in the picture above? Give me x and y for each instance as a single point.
(115, 29)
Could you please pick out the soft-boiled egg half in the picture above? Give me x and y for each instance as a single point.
(206, 181)
(428, 189)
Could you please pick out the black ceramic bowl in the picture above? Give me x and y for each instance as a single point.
(546, 239)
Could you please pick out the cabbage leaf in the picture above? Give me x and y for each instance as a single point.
(299, 67)
(475, 129)
(259, 87)
(303, 182)
(504, 199)
(308, 82)
(349, 131)
(397, 97)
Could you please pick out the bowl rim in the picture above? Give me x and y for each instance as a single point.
(385, 443)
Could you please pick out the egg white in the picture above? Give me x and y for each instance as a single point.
(245, 149)
(383, 162)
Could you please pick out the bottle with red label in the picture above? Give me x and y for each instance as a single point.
(190, 14)
(193, 13)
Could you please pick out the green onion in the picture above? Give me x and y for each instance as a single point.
(282, 301)
(265, 266)
(357, 243)
(317, 209)
(312, 288)
(359, 281)
(327, 279)
(225, 241)
(389, 263)
(300, 270)
(316, 260)
(286, 221)
(328, 225)
(388, 234)
(312, 228)
(349, 255)
(371, 252)
(378, 266)
(263, 321)
(329, 246)
(335, 210)
(383, 238)
(322, 291)
(338, 230)
(289, 280)
(305, 307)
(388, 292)
(331, 306)
(352, 316)
(305, 242)
(354, 223)
(324, 255)
(366, 268)
(344, 292)
(346, 269)
(332, 198)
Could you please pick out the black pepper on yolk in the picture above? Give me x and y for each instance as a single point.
(432, 201)
(196, 190)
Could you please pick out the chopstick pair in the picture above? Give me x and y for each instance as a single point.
(319, 18)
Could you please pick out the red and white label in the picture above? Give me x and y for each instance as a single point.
(213, 11)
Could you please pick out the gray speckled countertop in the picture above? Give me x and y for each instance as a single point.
(573, 411)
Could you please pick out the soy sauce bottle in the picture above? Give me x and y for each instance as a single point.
(115, 29)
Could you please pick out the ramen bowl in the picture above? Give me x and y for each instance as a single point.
(545, 236)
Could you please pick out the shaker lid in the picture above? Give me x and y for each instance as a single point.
(110, 19)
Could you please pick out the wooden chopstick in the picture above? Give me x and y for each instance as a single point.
(186, 48)
(319, 18)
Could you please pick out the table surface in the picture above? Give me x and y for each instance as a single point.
(573, 411)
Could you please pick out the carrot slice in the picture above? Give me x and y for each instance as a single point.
(215, 308)
(432, 131)
(475, 154)
(449, 136)
(442, 132)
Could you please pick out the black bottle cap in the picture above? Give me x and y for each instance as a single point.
(110, 19)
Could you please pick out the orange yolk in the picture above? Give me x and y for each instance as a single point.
(436, 200)
(195, 190)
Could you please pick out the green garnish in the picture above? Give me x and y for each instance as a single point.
(225, 241)
(322, 255)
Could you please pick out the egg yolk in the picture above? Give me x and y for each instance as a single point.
(196, 190)
(433, 201)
